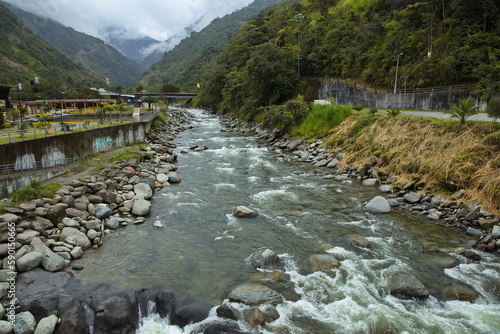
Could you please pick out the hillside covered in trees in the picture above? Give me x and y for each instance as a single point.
(24, 55)
(439, 43)
(187, 64)
(102, 59)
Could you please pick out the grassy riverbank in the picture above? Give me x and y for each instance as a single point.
(444, 155)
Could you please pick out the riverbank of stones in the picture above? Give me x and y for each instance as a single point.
(469, 216)
(51, 234)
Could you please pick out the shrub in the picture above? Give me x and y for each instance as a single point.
(493, 109)
(286, 115)
(321, 120)
(373, 111)
(463, 109)
(358, 107)
(393, 112)
(33, 190)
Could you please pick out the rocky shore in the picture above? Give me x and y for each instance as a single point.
(469, 216)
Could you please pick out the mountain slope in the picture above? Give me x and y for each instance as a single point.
(187, 63)
(102, 59)
(24, 55)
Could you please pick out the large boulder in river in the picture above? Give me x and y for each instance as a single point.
(50, 261)
(141, 207)
(244, 212)
(407, 285)
(255, 294)
(323, 262)
(378, 205)
(358, 240)
(264, 258)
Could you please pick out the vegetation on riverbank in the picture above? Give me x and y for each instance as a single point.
(444, 155)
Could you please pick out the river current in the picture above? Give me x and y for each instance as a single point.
(204, 251)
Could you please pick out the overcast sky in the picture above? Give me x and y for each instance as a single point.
(158, 19)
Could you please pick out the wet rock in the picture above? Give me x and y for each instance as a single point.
(229, 312)
(358, 240)
(407, 285)
(459, 292)
(194, 312)
(369, 182)
(174, 177)
(256, 317)
(255, 294)
(378, 205)
(47, 325)
(244, 212)
(77, 266)
(271, 314)
(264, 258)
(474, 232)
(323, 262)
(165, 303)
(447, 261)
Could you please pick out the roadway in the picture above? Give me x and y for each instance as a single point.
(438, 114)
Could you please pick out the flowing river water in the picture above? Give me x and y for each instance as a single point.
(204, 251)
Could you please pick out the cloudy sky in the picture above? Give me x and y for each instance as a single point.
(158, 19)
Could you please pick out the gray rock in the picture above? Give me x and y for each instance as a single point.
(75, 237)
(47, 325)
(29, 261)
(102, 212)
(68, 222)
(94, 198)
(459, 292)
(228, 312)
(25, 323)
(143, 191)
(322, 163)
(412, 197)
(393, 202)
(174, 177)
(244, 212)
(255, 294)
(369, 182)
(27, 207)
(378, 205)
(264, 258)
(27, 236)
(162, 178)
(57, 213)
(72, 212)
(495, 232)
(407, 285)
(113, 223)
(385, 188)
(141, 207)
(474, 232)
(323, 262)
(41, 211)
(76, 252)
(5, 327)
(92, 234)
(10, 218)
(107, 196)
(97, 186)
(50, 261)
(333, 163)
(358, 240)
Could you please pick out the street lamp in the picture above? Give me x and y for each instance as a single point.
(396, 77)
(404, 94)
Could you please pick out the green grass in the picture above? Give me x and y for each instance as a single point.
(126, 155)
(321, 119)
(33, 190)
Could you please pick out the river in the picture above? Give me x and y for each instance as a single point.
(203, 250)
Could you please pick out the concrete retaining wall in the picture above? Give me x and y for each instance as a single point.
(439, 100)
(46, 153)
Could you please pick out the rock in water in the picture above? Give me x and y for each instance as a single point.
(407, 285)
(244, 212)
(378, 205)
(323, 262)
(255, 294)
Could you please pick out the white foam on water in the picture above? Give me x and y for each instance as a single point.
(267, 195)
(225, 170)
(253, 179)
(224, 186)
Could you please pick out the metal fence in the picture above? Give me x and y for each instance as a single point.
(24, 167)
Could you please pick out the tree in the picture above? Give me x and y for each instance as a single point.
(169, 88)
(12, 114)
(2, 118)
(464, 109)
(149, 100)
(493, 109)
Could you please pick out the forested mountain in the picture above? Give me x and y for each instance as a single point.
(24, 55)
(438, 43)
(102, 59)
(187, 64)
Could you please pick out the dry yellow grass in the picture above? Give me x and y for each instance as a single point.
(434, 152)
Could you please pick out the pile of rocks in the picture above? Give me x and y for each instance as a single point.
(467, 215)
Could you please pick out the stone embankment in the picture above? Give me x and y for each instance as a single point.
(467, 215)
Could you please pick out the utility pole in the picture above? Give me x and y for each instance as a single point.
(396, 77)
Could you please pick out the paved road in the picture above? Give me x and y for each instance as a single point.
(438, 114)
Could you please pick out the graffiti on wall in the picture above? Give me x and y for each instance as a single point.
(102, 144)
(27, 161)
(53, 158)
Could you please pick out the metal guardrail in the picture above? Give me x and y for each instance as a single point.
(23, 167)
(398, 91)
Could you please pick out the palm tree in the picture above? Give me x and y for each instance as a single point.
(464, 109)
